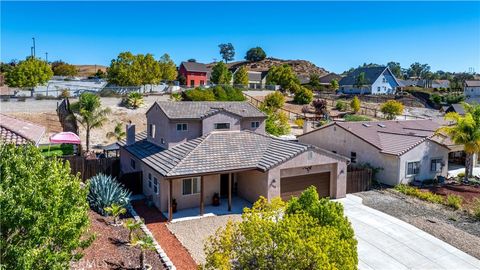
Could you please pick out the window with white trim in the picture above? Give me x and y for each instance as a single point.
(413, 168)
(254, 124)
(222, 126)
(436, 165)
(182, 127)
(155, 185)
(149, 180)
(191, 186)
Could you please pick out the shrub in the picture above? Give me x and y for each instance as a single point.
(303, 96)
(454, 201)
(198, 94)
(476, 208)
(273, 101)
(341, 106)
(220, 93)
(176, 96)
(355, 104)
(233, 94)
(277, 123)
(299, 122)
(423, 195)
(64, 94)
(391, 109)
(356, 118)
(105, 191)
(134, 100)
(435, 98)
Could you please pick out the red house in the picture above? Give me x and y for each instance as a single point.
(196, 74)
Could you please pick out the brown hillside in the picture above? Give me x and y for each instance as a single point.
(88, 70)
(302, 68)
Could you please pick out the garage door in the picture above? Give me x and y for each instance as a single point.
(294, 186)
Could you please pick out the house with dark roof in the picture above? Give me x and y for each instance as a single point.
(256, 79)
(403, 150)
(457, 107)
(378, 81)
(327, 79)
(196, 74)
(195, 151)
(19, 132)
(471, 90)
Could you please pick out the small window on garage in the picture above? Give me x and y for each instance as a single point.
(149, 180)
(222, 126)
(155, 185)
(413, 168)
(436, 165)
(132, 163)
(182, 127)
(353, 157)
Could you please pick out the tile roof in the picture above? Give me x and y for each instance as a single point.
(194, 66)
(371, 74)
(202, 109)
(472, 83)
(255, 76)
(13, 130)
(216, 152)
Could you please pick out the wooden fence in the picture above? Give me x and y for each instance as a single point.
(65, 115)
(358, 179)
(91, 167)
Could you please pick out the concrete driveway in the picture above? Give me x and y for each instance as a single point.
(385, 242)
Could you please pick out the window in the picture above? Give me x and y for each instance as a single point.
(155, 185)
(191, 186)
(333, 151)
(149, 180)
(384, 80)
(255, 124)
(378, 89)
(182, 127)
(202, 82)
(436, 165)
(413, 168)
(222, 125)
(162, 141)
(132, 163)
(151, 130)
(353, 157)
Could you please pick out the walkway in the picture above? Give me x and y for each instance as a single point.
(385, 242)
(156, 223)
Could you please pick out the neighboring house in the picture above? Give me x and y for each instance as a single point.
(196, 74)
(402, 150)
(327, 79)
(437, 84)
(471, 89)
(458, 108)
(19, 132)
(256, 79)
(406, 83)
(378, 81)
(194, 150)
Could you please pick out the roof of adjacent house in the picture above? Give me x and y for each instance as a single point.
(371, 75)
(457, 107)
(218, 151)
(255, 76)
(329, 77)
(202, 109)
(472, 83)
(405, 83)
(194, 66)
(393, 137)
(13, 130)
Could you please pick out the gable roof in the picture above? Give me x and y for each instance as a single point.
(202, 109)
(195, 67)
(254, 76)
(327, 79)
(392, 137)
(219, 151)
(472, 83)
(457, 107)
(371, 75)
(13, 130)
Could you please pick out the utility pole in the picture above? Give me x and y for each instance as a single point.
(46, 57)
(33, 46)
(31, 51)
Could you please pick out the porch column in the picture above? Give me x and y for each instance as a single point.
(229, 192)
(201, 196)
(170, 202)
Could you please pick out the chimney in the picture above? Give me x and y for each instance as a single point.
(130, 133)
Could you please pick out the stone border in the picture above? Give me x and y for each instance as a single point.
(163, 256)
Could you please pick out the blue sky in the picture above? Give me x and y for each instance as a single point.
(333, 35)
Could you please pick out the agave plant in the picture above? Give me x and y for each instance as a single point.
(105, 191)
(134, 100)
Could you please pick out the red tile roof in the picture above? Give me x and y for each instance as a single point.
(13, 130)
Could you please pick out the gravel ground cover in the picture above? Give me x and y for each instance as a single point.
(193, 233)
(110, 249)
(454, 227)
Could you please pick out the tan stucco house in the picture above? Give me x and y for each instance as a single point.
(402, 150)
(192, 150)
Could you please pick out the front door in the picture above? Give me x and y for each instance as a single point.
(192, 83)
(224, 185)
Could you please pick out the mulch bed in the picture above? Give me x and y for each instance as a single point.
(469, 193)
(110, 249)
(156, 223)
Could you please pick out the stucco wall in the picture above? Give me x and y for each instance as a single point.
(208, 124)
(246, 124)
(471, 91)
(252, 184)
(125, 162)
(155, 116)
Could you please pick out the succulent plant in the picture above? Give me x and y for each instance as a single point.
(105, 191)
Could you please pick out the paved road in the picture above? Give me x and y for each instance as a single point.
(385, 242)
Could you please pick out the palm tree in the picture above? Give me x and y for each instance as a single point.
(118, 133)
(90, 114)
(132, 225)
(144, 243)
(465, 131)
(115, 210)
(134, 100)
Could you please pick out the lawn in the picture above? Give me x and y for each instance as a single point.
(56, 150)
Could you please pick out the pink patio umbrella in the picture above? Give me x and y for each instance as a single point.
(65, 137)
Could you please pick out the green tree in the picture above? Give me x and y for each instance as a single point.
(465, 131)
(282, 75)
(44, 211)
(147, 68)
(306, 236)
(334, 85)
(29, 73)
(227, 51)
(418, 70)
(221, 74)
(220, 93)
(255, 54)
(132, 70)
(63, 69)
(118, 132)
(198, 94)
(90, 114)
(241, 76)
(355, 104)
(100, 74)
(273, 102)
(391, 109)
(168, 69)
(303, 96)
(361, 80)
(314, 81)
(395, 68)
(277, 123)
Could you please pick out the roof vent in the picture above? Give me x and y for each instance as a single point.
(382, 125)
(366, 125)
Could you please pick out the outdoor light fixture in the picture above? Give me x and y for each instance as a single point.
(307, 168)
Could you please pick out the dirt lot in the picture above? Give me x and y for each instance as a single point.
(454, 227)
(110, 249)
(469, 193)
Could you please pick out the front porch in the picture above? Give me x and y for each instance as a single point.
(237, 206)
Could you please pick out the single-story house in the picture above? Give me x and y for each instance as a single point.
(19, 132)
(471, 89)
(457, 107)
(378, 81)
